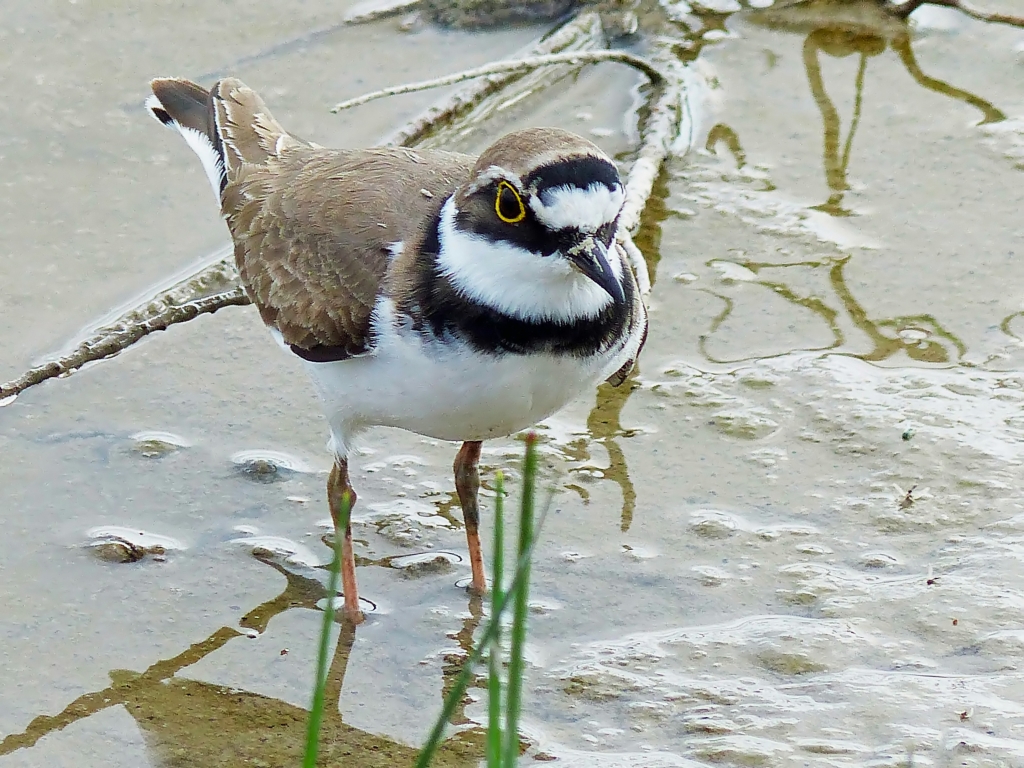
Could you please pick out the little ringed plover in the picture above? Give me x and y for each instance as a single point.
(458, 297)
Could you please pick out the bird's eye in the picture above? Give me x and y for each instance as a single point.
(508, 204)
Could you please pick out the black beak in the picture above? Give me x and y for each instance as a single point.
(590, 256)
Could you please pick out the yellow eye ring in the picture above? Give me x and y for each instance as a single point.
(501, 197)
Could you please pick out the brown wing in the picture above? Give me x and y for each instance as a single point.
(313, 228)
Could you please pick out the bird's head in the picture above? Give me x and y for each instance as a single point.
(533, 228)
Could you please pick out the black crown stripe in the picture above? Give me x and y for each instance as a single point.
(575, 172)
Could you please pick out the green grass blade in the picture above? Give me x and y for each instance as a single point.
(516, 664)
(494, 730)
(316, 711)
(458, 689)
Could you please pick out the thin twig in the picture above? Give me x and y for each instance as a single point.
(515, 65)
(114, 341)
(660, 131)
(466, 103)
(977, 13)
(635, 259)
(905, 9)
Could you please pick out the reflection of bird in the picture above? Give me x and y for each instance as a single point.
(863, 27)
(457, 297)
(604, 424)
(188, 722)
(920, 337)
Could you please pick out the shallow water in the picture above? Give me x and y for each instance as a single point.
(793, 538)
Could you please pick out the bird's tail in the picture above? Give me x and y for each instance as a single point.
(227, 126)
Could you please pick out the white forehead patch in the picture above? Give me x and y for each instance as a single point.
(512, 280)
(586, 209)
(491, 174)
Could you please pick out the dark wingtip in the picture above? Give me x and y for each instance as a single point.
(176, 100)
(323, 354)
(159, 112)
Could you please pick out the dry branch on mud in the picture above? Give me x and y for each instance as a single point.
(509, 67)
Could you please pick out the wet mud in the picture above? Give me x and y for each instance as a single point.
(792, 538)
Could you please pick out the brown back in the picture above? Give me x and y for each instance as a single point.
(313, 228)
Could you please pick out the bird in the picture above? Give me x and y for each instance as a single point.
(458, 297)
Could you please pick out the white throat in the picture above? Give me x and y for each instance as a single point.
(514, 281)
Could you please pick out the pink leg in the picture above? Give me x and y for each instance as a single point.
(467, 484)
(337, 487)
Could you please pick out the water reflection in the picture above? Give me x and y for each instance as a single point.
(864, 30)
(189, 722)
(837, 43)
(920, 337)
(604, 427)
(604, 423)
(839, 29)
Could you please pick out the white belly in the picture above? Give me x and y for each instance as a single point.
(450, 392)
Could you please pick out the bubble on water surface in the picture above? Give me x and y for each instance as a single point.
(573, 557)
(278, 546)
(156, 445)
(403, 521)
(878, 560)
(638, 553)
(712, 524)
(913, 335)
(424, 564)
(710, 576)
(813, 549)
(266, 466)
(120, 544)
